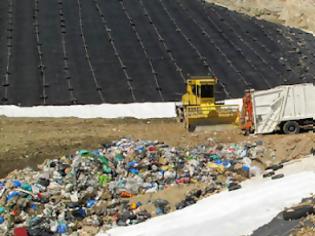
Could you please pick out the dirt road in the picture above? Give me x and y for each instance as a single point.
(27, 142)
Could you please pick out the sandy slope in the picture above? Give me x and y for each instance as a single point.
(294, 13)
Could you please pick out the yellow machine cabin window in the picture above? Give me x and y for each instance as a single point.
(203, 91)
(207, 91)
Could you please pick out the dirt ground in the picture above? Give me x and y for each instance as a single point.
(27, 142)
(294, 13)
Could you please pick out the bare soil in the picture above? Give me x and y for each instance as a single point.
(28, 142)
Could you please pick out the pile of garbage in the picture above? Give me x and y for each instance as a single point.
(94, 189)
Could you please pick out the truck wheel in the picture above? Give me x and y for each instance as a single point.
(291, 127)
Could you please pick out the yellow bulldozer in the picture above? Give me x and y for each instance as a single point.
(199, 106)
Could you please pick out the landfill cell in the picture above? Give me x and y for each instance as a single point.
(59, 52)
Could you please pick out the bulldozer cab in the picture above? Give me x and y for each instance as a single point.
(200, 90)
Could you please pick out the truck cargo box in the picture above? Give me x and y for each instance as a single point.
(283, 107)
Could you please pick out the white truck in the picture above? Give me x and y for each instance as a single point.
(287, 108)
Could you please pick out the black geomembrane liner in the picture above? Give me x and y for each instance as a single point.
(3, 43)
(95, 51)
(57, 89)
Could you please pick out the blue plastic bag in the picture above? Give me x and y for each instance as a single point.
(12, 195)
(134, 171)
(62, 228)
(16, 183)
(132, 164)
(90, 203)
(245, 168)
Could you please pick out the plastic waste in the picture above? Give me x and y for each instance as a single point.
(16, 183)
(20, 231)
(12, 194)
(246, 168)
(119, 157)
(107, 169)
(90, 203)
(134, 171)
(62, 228)
(132, 164)
(216, 167)
(104, 179)
(26, 187)
(79, 213)
(84, 153)
(103, 160)
(2, 209)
